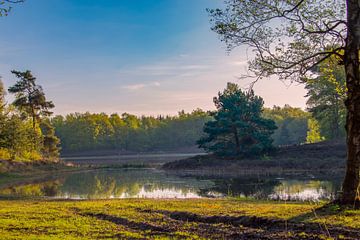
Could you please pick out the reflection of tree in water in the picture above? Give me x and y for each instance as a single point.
(120, 190)
(126, 183)
(104, 187)
(244, 187)
(133, 189)
(149, 187)
(88, 185)
(271, 187)
(305, 190)
(295, 186)
(139, 183)
(40, 189)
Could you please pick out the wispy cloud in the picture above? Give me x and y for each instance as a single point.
(240, 63)
(135, 87)
(188, 66)
(163, 69)
(188, 81)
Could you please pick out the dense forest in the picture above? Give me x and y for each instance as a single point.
(129, 133)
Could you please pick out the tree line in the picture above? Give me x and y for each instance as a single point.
(127, 132)
(29, 132)
(80, 132)
(324, 119)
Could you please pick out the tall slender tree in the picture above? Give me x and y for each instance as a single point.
(289, 38)
(30, 97)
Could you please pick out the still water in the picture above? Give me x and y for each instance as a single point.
(152, 183)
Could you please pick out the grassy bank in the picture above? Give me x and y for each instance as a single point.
(176, 219)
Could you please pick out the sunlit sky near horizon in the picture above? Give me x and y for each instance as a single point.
(139, 56)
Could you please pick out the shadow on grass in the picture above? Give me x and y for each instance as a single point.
(327, 210)
(127, 223)
(233, 227)
(296, 225)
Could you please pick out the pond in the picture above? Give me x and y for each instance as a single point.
(152, 183)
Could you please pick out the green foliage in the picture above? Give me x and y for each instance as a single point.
(17, 137)
(50, 148)
(129, 133)
(21, 138)
(327, 93)
(313, 134)
(238, 129)
(3, 114)
(292, 124)
(2, 97)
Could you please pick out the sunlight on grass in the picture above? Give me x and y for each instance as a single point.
(139, 218)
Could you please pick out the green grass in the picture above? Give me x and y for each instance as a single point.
(141, 218)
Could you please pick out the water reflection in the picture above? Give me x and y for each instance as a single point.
(46, 188)
(304, 190)
(129, 184)
(301, 189)
(247, 186)
(150, 183)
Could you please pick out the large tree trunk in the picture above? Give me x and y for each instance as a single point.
(351, 185)
(352, 180)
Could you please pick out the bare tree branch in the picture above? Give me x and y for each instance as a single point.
(288, 38)
(6, 5)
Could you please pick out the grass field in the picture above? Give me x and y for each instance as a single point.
(175, 219)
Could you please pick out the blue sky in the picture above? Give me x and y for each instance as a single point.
(139, 56)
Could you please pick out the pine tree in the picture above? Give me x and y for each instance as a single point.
(238, 128)
(30, 97)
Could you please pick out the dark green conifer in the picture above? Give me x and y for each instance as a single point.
(238, 128)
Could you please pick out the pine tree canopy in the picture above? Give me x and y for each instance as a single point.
(238, 129)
